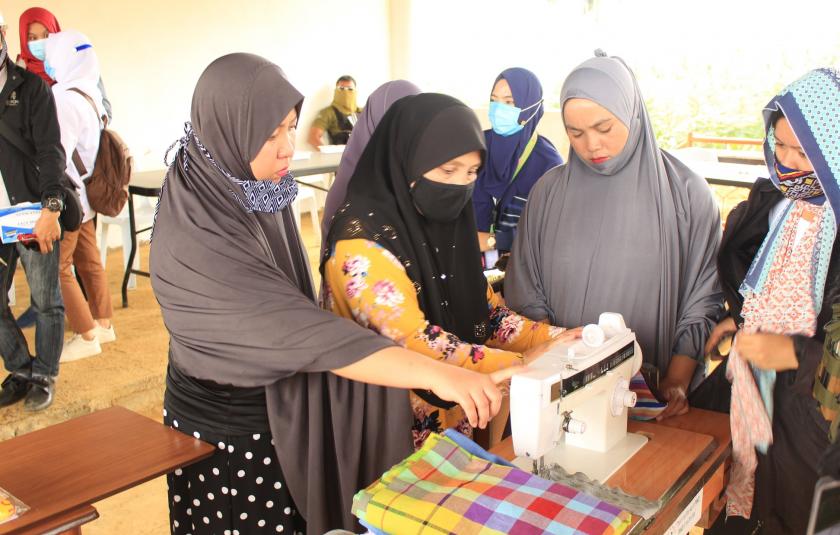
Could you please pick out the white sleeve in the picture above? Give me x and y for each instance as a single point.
(70, 123)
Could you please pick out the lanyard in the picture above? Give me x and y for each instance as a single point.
(522, 159)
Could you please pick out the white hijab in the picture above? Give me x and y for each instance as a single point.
(76, 65)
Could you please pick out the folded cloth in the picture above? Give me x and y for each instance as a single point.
(647, 406)
(474, 448)
(443, 488)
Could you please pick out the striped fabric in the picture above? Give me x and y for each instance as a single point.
(647, 406)
(442, 488)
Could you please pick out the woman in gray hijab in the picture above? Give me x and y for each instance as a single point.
(255, 367)
(622, 227)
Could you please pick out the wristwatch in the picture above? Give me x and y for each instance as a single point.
(53, 204)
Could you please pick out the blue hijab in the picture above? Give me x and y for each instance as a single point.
(503, 152)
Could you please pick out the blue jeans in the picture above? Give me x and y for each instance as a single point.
(42, 276)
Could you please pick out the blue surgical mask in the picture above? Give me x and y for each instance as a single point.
(38, 48)
(505, 118)
(49, 69)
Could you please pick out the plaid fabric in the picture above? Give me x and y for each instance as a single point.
(442, 488)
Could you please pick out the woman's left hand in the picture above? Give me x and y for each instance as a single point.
(767, 351)
(674, 394)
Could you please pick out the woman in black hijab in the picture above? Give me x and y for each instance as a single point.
(403, 259)
(250, 352)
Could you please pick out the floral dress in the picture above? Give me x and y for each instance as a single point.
(366, 283)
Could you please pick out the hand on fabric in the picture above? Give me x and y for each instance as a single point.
(674, 386)
(677, 402)
(721, 331)
(767, 351)
(47, 230)
(565, 337)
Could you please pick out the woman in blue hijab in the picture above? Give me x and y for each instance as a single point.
(516, 158)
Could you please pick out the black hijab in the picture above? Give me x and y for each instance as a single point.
(417, 134)
(236, 298)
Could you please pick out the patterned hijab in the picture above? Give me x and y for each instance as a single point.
(814, 99)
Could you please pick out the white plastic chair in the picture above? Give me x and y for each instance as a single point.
(144, 212)
(311, 200)
(307, 201)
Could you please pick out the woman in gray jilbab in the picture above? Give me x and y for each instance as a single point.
(622, 227)
(255, 367)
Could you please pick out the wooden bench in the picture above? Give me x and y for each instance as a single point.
(60, 471)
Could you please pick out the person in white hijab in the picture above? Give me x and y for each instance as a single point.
(71, 61)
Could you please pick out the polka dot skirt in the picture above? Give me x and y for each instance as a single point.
(239, 490)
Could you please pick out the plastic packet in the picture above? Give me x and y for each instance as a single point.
(10, 507)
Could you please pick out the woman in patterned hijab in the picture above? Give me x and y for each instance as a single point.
(779, 268)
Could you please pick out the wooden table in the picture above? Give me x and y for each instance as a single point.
(61, 470)
(69, 523)
(651, 469)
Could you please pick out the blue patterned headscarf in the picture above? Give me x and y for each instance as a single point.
(812, 107)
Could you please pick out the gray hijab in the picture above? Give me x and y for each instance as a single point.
(377, 104)
(239, 305)
(636, 235)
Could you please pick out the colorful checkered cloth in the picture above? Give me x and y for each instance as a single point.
(442, 488)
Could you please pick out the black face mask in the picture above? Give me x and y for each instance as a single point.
(440, 202)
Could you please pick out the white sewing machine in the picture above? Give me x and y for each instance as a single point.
(570, 407)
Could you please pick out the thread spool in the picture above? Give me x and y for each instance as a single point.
(593, 335)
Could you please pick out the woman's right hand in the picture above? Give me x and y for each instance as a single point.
(475, 392)
(398, 367)
(721, 331)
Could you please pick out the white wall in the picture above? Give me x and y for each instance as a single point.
(153, 51)
(691, 57)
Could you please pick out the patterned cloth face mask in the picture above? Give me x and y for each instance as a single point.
(256, 195)
(797, 185)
